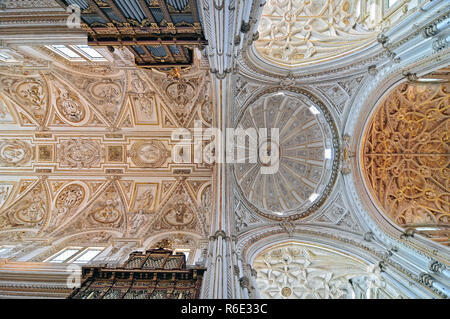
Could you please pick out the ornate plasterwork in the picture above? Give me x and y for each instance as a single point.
(102, 135)
(299, 271)
(148, 154)
(69, 105)
(292, 33)
(405, 157)
(80, 153)
(31, 93)
(15, 152)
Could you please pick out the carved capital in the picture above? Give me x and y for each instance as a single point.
(430, 30)
(244, 282)
(426, 279)
(436, 266)
(440, 44)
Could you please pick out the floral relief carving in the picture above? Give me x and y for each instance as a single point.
(29, 93)
(69, 105)
(405, 157)
(80, 153)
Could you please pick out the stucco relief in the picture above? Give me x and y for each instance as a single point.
(14, 152)
(151, 153)
(29, 93)
(297, 271)
(29, 211)
(69, 105)
(80, 153)
(294, 32)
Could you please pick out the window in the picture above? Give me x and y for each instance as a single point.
(77, 255)
(5, 57)
(90, 52)
(87, 255)
(65, 52)
(77, 52)
(391, 3)
(64, 255)
(4, 250)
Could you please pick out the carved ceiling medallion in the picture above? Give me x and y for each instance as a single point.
(181, 94)
(179, 215)
(70, 197)
(69, 106)
(80, 153)
(14, 153)
(148, 154)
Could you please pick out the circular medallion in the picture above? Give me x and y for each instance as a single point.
(71, 196)
(179, 215)
(108, 213)
(14, 153)
(148, 154)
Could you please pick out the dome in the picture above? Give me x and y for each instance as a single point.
(305, 153)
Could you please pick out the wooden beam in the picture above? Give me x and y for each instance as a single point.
(147, 42)
(165, 11)
(193, 5)
(170, 26)
(181, 49)
(169, 54)
(99, 11)
(117, 11)
(162, 65)
(147, 11)
(137, 56)
(147, 52)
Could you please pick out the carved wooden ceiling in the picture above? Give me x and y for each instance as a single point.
(160, 33)
(406, 157)
(86, 151)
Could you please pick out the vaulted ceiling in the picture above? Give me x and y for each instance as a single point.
(91, 150)
(406, 156)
